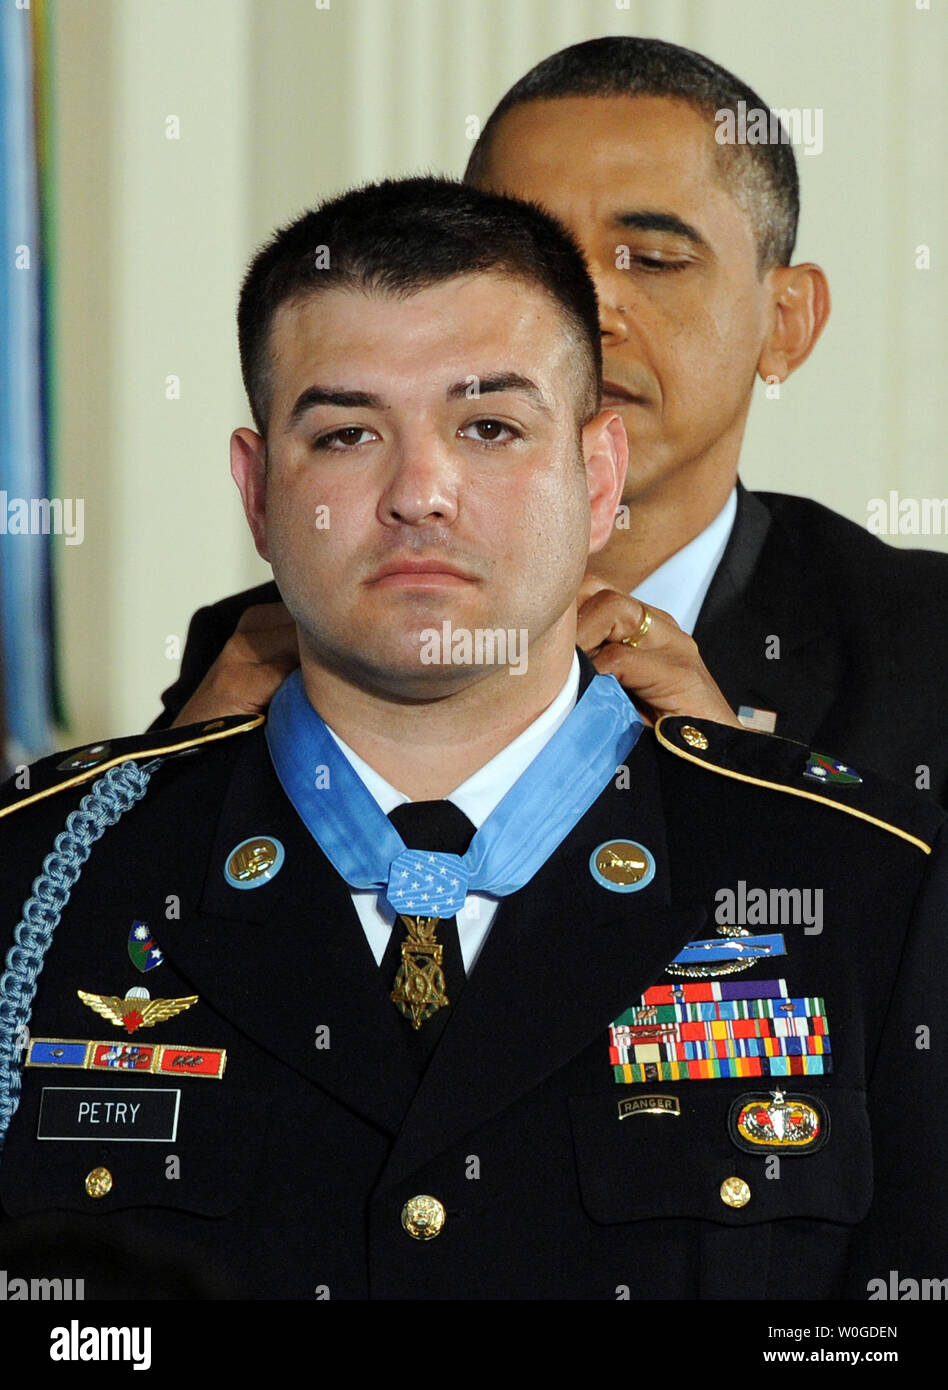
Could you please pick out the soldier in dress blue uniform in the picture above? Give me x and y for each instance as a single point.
(451, 979)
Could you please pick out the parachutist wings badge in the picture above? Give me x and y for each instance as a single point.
(136, 1010)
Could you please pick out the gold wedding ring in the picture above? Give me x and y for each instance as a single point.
(644, 626)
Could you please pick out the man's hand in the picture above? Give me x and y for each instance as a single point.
(664, 673)
(250, 669)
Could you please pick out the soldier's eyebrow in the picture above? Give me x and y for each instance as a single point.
(649, 221)
(502, 381)
(367, 400)
(332, 395)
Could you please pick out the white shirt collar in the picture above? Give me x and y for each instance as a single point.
(487, 787)
(679, 585)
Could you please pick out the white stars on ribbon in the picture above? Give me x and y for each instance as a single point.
(426, 880)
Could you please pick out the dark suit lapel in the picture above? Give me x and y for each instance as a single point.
(563, 958)
(288, 962)
(766, 587)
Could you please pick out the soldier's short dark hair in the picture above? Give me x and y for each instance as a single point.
(762, 178)
(404, 235)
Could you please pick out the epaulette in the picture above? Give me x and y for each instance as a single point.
(780, 765)
(71, 768)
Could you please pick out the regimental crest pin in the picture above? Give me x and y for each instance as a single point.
(769, 1120)
(137, 1009)
(143, 950)
(820, 768)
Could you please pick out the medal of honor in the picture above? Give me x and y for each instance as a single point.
(419, 988)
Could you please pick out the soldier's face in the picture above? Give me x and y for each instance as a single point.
(681, 352)
(424, 465)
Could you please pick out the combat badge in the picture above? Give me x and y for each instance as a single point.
(143, 950)
(137, 1009)
(703, 960)
(768, 1120)
(622, 866)
(830, 772)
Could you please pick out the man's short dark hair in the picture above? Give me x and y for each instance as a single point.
(404, 235)
(762, 178)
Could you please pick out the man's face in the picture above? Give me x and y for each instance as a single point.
(424, 465)
(684, 324)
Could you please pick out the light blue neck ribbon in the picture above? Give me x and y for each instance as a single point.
(518, 837)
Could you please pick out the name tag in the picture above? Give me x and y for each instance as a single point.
(105, 1112)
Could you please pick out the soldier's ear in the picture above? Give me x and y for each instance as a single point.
(248, 468)
(800, 306)
(606, 455)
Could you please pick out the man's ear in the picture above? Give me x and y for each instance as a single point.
(801, 306)
(606, 454)
(248, 468)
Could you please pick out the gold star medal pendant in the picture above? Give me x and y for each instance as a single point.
(419, 990)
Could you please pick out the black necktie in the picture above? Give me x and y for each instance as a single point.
(434, 825)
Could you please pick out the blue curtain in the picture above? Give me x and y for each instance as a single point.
(26, 636)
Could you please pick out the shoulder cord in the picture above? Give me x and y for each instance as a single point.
(106, 802)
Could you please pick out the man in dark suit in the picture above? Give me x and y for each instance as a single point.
(810, 625)
(683, 1026)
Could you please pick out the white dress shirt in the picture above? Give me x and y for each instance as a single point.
(477, 798)
(680, 584)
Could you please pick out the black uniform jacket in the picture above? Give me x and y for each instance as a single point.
(287, 1177)
(863, 642)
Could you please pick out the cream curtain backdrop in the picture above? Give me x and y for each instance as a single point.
(187, 129)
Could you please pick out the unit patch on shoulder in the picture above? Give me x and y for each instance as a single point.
(779, 765)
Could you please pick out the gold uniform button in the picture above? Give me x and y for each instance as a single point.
(735, 1192)
(423, 1217)
(694, 736)
(99, 1182)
